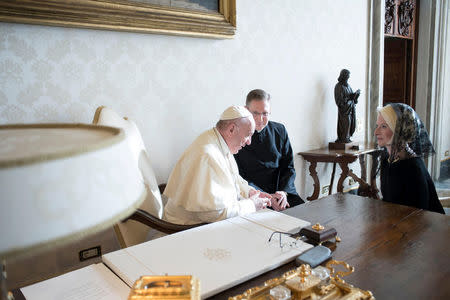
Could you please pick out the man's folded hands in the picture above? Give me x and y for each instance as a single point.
(260, 199)
(279, 201)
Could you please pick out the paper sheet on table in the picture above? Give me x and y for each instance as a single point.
(94, 282)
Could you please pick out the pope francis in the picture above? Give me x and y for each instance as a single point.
(205, 185)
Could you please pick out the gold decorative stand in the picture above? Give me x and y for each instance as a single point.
(302, 284)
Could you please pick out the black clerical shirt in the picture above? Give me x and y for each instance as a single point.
(267, 163)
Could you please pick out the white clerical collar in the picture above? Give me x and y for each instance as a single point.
(223, 145)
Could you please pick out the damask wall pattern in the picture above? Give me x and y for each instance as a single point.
(54, 74)
(176, 87)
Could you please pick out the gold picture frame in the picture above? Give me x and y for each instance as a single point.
(123, 15)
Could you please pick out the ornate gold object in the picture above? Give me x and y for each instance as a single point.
(304, 285)
(338, 275)
(305, 271)
(165, 287)
(318, 227)
(136, 16)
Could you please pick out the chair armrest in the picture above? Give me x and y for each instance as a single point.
(161, 225)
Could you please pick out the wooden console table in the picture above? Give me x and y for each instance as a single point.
(343, 158)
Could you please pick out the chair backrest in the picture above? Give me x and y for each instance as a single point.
(131, 232)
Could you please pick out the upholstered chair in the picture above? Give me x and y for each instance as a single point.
(137, 228)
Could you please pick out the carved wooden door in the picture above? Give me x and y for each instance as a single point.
(400, 47)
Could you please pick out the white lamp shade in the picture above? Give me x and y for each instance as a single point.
(61, 181)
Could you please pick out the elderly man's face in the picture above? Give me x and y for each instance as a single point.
(240, 135)
(260, 110)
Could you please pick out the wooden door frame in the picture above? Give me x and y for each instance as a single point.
(429, 88)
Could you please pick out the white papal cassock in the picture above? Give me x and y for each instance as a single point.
(205, 185)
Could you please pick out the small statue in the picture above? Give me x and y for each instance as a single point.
(346, 101)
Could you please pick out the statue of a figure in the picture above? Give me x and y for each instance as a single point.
(346, 101)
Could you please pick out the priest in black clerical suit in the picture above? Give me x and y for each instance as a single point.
(267, 163)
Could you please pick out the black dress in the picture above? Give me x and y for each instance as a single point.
(408, 182)
(267, 163)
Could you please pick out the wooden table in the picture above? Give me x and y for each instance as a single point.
(343, 158)
(398, 252)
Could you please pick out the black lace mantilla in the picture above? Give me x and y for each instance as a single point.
(410, 134)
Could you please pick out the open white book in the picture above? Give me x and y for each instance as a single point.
(94, 282)
(276, 221)
(221, 254)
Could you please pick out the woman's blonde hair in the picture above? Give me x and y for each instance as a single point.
(389, 115)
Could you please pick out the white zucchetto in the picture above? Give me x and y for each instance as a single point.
(235, 112)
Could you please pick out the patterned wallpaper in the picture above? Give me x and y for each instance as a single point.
(176, 87)
(56, 74)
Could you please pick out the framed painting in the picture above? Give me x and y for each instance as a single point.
(197, 18)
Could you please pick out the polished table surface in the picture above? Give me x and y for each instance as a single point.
(398, 252)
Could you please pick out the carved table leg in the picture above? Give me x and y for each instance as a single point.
(332, 178)
(374, 169)
(362, 190)
(362, 164)
(313, 173)
(344, 174)
(373, 174)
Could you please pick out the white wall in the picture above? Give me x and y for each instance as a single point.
(176, 87)
(424, 59)
(445, 125)
(430, 85)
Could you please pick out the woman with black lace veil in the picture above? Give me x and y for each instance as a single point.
(404, 178)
